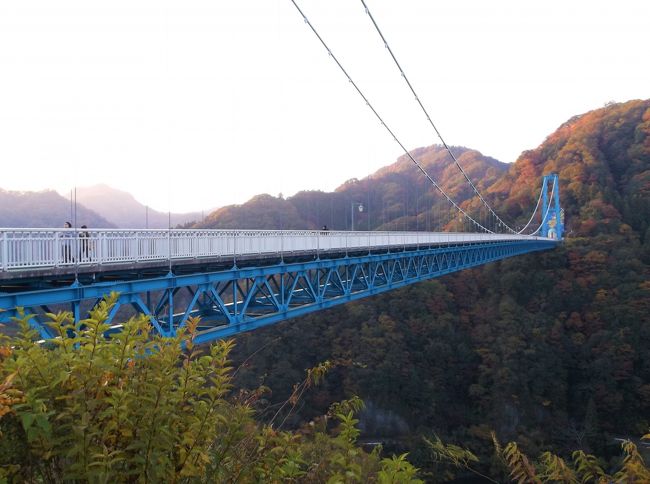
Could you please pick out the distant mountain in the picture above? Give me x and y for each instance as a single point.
(44, 209)
(396, 197)
(260, 212)
(123, 210)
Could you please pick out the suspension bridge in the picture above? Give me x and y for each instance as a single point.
(240, 280)
(235, 280)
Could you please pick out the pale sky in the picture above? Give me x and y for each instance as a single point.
(200, 103)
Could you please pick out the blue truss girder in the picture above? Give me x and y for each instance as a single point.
(242, 299)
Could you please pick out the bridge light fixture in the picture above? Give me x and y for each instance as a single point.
(359, 206)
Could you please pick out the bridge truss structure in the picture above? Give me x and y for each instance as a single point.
(235, 280)
(260, 290)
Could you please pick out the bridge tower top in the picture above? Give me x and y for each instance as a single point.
(552, 212)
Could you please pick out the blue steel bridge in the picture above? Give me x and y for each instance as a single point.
(235, 280)
(239, 280)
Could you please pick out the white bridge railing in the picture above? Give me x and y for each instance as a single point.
(24, 249)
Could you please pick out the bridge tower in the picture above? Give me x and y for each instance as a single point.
(552, 213)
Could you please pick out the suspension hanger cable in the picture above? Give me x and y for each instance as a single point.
(424, 172)
(417, 98)
(539, 199)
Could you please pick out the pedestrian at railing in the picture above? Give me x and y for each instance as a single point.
(84, 249)
(66, 244)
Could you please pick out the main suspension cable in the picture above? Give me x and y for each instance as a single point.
(424, 172)
(417, 98)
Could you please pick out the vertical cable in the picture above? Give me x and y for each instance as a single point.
(76, 239)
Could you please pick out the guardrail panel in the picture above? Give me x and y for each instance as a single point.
(22, 249)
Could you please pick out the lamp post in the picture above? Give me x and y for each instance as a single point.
(359, 207)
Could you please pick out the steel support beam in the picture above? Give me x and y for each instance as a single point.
(242, 299)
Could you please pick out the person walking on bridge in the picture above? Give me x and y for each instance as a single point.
(66, 243)
(84, 239)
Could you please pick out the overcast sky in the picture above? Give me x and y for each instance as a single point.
(200, 103)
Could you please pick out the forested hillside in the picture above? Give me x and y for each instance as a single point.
(396, 197)
(551, 349)
(43, 209)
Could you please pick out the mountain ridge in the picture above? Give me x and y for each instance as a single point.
(125, 211)
(44, 209)
(393, 197)
(398, 197)
(602, 158)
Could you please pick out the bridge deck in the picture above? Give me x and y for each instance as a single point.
(234, 280)
(43, 252)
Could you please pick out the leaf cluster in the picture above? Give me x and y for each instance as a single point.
(549, 467)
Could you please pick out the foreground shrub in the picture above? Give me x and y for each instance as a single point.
(135, 407)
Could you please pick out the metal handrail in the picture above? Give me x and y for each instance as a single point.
(26, 248)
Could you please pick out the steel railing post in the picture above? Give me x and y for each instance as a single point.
(234, 249)
(5, 252)
(57, 249)
(102, 248)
